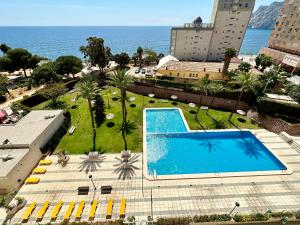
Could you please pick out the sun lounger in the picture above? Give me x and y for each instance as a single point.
(28, 212)
(56, 210)
(93, 209)
(72, 130)
(32, 180)
(42, 211)
(69, 211)
(80, 210)
(39, 170)
(45, 162)
(122, 207)
(109, 208)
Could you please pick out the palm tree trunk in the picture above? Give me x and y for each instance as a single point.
(25, 72)
(6, 89)
(124, 112)
(237, 104)
(225, 67)
(210, 105)
(93, 124)
(200, 101)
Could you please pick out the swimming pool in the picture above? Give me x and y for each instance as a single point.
(172, 150)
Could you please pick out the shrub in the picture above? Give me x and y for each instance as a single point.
(212, 218)
(2, 201)
(252, 217)
(282, 214)
(297, 215)
(174, 221)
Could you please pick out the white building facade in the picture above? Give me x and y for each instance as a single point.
(207, 42)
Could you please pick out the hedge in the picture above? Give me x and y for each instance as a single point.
(275, 108)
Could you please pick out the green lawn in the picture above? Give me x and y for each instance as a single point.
(110, 140)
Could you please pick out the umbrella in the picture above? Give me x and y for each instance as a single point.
(151, 95)
(115, 92)
(110, 116)
(241, 112)
(3, 115)
(174, 97)
(192, 105)
(131, 99)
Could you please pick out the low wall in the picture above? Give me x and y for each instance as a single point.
(277, 125)
(166, 93)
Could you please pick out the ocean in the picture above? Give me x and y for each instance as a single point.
(52, 42)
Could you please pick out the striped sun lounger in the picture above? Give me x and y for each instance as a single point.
(93, 209)
(122, 207)
(69, 211)
(109, 208)
(56, 210)
(80, 210)
(42, 211)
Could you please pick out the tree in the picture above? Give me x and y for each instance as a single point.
(122, 80)
(204, 88)
(247, 82)
(140, 52)
(151, 56)
(266, 61)
(109, 54)
(257, 61)
(297, 71)
(54, 91)
(96, 52)
(4, 82)
(135, 58)
(122, 59)
(4, 48)
(87, 89)
(271, 78)
(6, 64)
(99, 110)
(22, 59)
(215, 87)
(159, 57)
(45, 74)
(293, 91)
(68, 65)
(245, 67)
(229, 54)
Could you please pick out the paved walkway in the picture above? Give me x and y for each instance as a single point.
(170, 197)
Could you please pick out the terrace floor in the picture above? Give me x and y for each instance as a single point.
(170, 197)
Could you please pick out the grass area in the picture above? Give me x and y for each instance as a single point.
(110, 140)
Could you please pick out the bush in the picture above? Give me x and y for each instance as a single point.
(274, 108)
(33, 100)
(252, 217)
(282, 214)
(297, 215)
(174, 221)
(212, 218)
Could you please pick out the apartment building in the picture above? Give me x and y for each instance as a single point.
(200, 41)
(284, 43)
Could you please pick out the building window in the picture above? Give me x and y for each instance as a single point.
(246, 5)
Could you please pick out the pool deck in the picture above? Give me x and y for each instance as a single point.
(185, 197)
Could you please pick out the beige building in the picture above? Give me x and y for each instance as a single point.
(284, 43)
(207, 42)
(20, 146)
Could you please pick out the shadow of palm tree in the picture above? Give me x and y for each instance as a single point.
(126, 170)
(200, 125)
(92, 164)
(250, 148)
(212, 146)
(234, 125)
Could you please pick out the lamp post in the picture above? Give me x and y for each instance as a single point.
(91, 177)
(237, 204)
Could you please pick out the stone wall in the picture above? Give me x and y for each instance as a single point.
(166, 93)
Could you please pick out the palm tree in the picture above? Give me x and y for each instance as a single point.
(229, 54)
(140, 52)
(121, 79)
(214, 88)
(3, 82)
(204, 88)
(87, 89)
(247, 82)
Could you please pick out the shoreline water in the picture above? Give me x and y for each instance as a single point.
(54, 41)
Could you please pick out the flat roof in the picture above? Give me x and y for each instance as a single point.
(25, 131)
(197, 66)
(14, 157)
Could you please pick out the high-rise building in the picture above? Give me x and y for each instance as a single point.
(284, 43)
(199, 41)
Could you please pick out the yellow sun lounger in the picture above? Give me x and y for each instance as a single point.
(56, 210)
(93, 209)
(80, 210)
(122, 207)
(32, 180)
(42, 211)
(69, 211)
(109, 208)
(28, 212)
(45, 162)
(39, 170)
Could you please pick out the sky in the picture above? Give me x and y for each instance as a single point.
(105, 12)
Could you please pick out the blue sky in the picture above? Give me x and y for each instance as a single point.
(105, 12)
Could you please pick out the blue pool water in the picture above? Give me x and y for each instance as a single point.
(171, 150)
